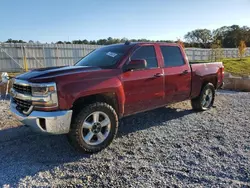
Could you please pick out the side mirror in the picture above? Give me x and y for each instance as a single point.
(136, 64)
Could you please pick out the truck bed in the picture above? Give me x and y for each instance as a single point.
(206, 72)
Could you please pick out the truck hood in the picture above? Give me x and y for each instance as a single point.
(54, 72)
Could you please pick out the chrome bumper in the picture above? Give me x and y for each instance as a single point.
(57, 122)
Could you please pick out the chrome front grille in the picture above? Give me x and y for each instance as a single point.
(22, 89)
(22, 106)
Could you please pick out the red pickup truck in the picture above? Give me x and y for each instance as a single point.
(87, 100)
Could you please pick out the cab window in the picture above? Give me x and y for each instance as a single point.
(147, 53)
(172, 56)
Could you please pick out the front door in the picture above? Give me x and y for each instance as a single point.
(144, 89)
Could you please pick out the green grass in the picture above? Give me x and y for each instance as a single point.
(239, 67)
(235, 66)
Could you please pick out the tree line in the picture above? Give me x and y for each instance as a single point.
(225, 37)
(107, 41)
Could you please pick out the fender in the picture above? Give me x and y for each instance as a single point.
(69, 90)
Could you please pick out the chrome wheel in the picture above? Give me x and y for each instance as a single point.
(207, 98)
(96, 128)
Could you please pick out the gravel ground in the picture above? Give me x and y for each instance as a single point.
(172, 146)
(6, 119)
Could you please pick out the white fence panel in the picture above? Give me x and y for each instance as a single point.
(47, 55)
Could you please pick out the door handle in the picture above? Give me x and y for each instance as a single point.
(158, 75)
(184, 72)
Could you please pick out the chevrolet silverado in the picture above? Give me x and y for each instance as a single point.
(86, 101)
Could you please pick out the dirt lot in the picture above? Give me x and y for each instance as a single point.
(169, 146)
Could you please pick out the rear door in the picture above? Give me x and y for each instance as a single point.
(144, 89)
(177, 74)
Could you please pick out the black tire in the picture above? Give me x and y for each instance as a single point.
(197, 103)
(76, 135)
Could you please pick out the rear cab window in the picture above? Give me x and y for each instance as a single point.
(148, 53)
(172, 56)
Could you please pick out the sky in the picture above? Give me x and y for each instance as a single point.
(67, 20)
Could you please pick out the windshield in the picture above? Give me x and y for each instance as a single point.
(104, 57)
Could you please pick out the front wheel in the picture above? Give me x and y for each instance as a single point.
(93, 128)
(206, 98)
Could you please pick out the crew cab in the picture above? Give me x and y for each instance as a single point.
(86, 101)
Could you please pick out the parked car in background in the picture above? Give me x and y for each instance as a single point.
(87, 100)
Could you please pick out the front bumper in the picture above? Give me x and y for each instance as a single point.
(57, 122)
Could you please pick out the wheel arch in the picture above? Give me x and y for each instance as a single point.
(205, 82)
(107, 97)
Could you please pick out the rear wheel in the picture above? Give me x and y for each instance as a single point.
(93, 128)
(206, 98)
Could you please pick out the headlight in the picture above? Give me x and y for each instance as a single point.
(43, 90)
(44, 96)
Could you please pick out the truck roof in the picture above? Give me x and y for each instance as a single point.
(135, 43)
(154, 43)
